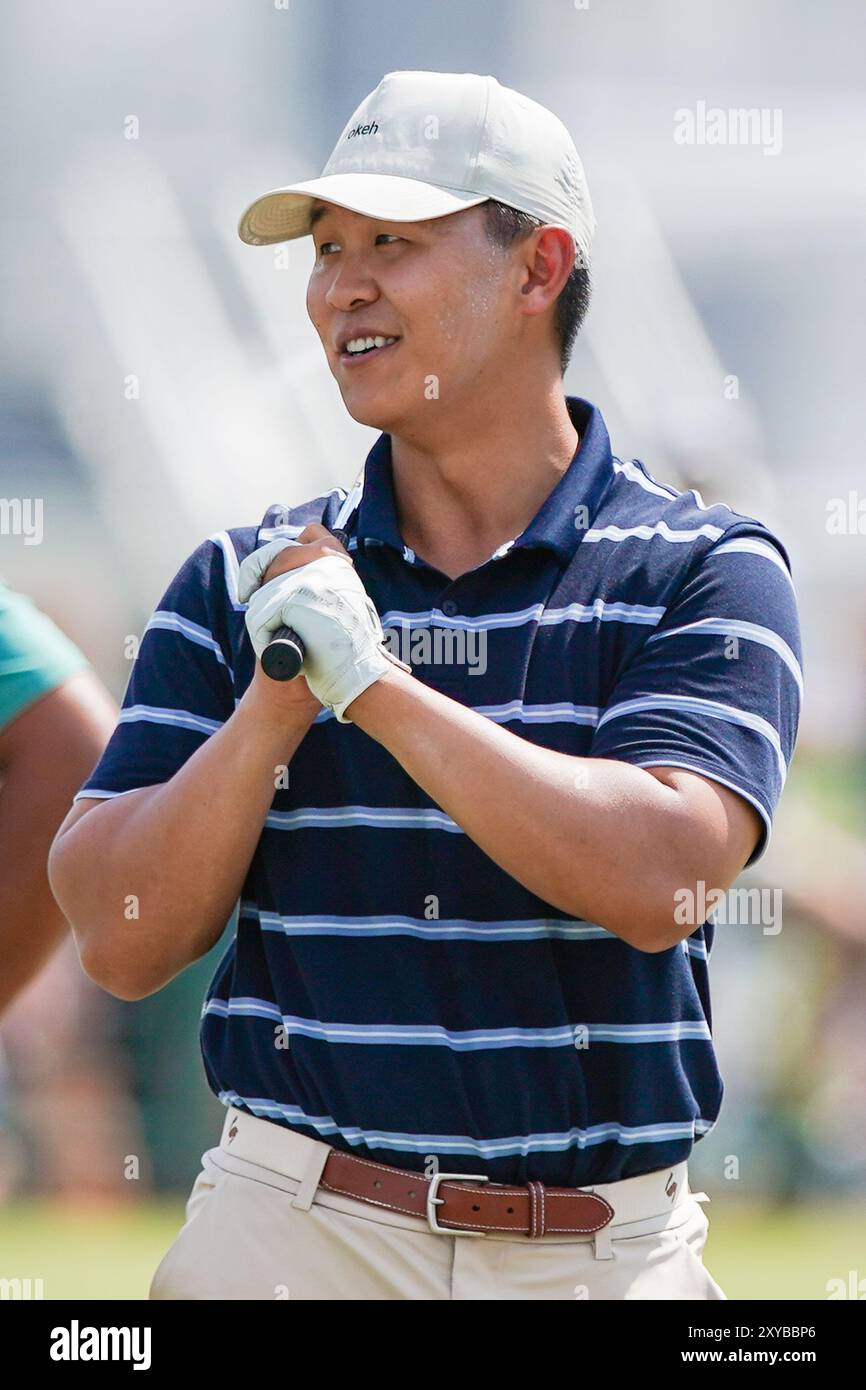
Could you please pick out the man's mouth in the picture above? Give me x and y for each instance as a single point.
(371, 348)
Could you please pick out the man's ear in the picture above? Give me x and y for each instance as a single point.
(549, 257)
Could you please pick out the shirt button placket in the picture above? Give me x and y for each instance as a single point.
(445, 679)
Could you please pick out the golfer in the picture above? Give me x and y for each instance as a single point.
(462, 1026)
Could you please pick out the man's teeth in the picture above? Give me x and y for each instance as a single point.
(364, 344)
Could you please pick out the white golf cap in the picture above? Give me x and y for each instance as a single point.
(425, 144)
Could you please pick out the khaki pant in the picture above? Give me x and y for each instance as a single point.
(261, 1230)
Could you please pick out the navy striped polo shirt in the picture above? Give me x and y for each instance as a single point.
(388, 988)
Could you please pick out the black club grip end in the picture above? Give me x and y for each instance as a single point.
(283, 657)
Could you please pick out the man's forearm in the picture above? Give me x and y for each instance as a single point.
(149, 880)
(597, 838)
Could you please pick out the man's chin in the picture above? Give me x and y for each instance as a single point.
(378, 411)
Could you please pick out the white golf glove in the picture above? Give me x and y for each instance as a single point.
(330, 610)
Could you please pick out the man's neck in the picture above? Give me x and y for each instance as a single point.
(474, 487)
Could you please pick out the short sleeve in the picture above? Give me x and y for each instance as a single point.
(717, 687)
(35, 656)
(181, 688)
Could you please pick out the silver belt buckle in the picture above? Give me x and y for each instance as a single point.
(433, 1201)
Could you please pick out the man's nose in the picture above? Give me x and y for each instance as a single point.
(351, 284)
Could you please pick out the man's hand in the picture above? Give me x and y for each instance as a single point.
(282, 555)
(311, 585)
(285, 699)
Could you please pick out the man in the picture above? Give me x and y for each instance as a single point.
(457, 864)
(55, 719)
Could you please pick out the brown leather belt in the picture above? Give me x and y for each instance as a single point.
(467, 1203)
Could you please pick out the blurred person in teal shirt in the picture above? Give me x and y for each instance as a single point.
(55, 719)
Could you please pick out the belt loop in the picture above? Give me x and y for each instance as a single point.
(603, 1244)
(303, 1198)
(537, 1223)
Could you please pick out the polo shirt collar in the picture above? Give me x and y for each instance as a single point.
(557, 524)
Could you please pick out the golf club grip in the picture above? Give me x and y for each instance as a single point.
(283, 657)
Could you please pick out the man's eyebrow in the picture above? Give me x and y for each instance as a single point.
(317, 214)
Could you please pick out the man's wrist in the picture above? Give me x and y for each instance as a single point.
(395, 677)
(267, 719)
(366, 672)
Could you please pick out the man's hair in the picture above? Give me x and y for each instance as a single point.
(505, 225)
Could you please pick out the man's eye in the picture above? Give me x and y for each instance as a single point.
(389, 236)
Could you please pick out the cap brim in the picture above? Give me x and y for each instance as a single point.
(284, 213)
